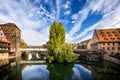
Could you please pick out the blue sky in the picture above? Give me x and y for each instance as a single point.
(79, 17)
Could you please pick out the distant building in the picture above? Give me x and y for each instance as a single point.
(107, 40)
(86, 44)
(4, 46)
(13, 34)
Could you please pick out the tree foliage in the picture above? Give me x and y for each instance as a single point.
(57, 37)
(58, 50)
(23, 43)
(64, 53)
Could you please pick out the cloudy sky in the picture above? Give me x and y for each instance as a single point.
(79, 17)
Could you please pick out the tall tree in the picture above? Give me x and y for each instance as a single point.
(58, 50)
(23, 43)
(57, 37)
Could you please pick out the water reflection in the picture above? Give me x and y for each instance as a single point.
(35, 72)
(4, 62)
(81, 73)
(10, 69)
(4, 69)
(60, 71)
(56, 72)
(14, 70)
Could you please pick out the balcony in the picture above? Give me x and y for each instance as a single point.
(4, 45)
(4, 51)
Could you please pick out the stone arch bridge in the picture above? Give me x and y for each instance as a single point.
(35, 52)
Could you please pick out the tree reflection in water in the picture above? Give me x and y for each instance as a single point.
(68, 72)
(60, 71)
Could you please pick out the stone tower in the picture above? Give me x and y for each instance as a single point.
(13, 34)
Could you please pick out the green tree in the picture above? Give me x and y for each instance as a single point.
(57, 37)
(23, 43)
(58, 50)
(64, 53)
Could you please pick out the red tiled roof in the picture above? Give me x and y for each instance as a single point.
(108, 35)
(5, 41)
(85, 42)
(10, 24)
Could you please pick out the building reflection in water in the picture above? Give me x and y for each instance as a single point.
(10, 69)
(4, 69)
(105, 71)
(13, 70)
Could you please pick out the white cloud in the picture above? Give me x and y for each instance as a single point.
(36, 37)
(46, 1)
(104, 6)
(37, 1)
(27, 17)
(34, 21)
(77, 25)
(111, 20)
(68, 38)
(46, 13)
(110, 11)
(74, 17)
(58, 8)
(67, 4)
(68, 12)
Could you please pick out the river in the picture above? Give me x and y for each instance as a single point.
(84, 70)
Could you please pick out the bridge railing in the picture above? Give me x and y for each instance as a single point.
(33, 49)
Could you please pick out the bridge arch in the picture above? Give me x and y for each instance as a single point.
(34, 52)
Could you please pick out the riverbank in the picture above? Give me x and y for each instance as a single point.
(10, 57)
(32, 62)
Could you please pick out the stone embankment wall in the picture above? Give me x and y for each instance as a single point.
(111, 59)
(4, 62)
(4, 56)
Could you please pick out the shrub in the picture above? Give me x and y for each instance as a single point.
(50, 58)
(64, 54)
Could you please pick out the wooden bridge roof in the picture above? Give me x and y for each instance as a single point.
(34, 47)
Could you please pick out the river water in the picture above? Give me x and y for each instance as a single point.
(83, 70)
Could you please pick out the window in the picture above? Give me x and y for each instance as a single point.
(101, 32)
(105, 38)
(103, 48)
(111, 52)
(113, 43)
(103, 43)
(118, 38)
(113, 32)
(103, 35)
(116, 34)
(108, 32)
(110, 35)
(113, 48)
(112, 38)
(118, 48)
